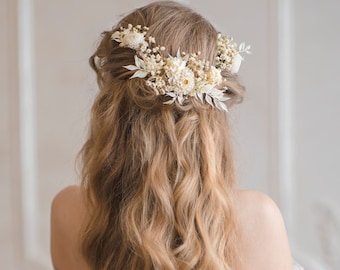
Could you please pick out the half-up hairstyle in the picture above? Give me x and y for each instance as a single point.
(159, 177)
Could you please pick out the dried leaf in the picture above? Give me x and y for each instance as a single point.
(209, 100)
(200, 96)
(131, 67)
(221, 105)
(139, 74)
(139, 62)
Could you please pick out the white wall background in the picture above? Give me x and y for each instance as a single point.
(316, 129)
(286, 132)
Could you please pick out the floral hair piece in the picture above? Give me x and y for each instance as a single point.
(184, 75)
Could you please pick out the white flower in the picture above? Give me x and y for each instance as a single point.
(174, 64)
(152, 39)
(214, 76)
(182, 81)
(132, 40)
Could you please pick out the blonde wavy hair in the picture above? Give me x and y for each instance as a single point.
(159, 178)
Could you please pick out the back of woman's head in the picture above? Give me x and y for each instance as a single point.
(159, 176)
(175, 27)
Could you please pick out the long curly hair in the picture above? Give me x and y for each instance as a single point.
(159, 178)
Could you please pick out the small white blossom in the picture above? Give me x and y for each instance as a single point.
(132, 40)
(214, 76)
(174, 64)
(182, 82)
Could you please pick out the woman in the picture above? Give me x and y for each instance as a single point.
(158, 183)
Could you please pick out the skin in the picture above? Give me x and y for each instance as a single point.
(263, 238)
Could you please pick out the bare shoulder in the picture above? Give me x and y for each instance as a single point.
(68, 208)
(68, 213)
(251, 202)
(70, 194)
(263, 237)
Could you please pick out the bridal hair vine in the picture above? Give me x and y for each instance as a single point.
(184, 75)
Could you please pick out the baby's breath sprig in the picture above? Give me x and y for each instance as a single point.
(228, 54)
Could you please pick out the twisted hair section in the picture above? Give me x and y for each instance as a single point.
(159, 178)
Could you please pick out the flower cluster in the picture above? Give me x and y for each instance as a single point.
(184, 75)
(228, 55)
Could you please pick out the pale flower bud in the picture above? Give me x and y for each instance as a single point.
(133, 40)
